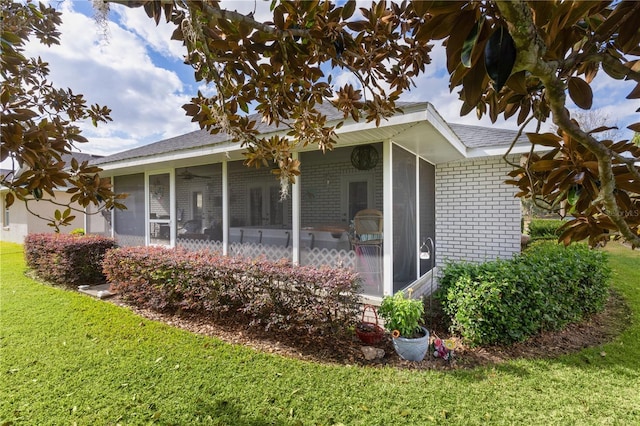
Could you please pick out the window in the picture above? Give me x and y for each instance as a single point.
(265, 206)
(357, 194)
(197, 204)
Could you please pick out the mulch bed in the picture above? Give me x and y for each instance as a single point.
(346, 349)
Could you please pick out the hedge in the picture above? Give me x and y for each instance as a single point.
(545, 229)
(273, 295)
(67, 260)
(544, 288)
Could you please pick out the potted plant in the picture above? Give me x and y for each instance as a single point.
(402, 318)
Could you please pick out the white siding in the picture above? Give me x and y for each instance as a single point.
(477, 215)
(22, 223)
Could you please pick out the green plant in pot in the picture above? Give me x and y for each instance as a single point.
(402, 317)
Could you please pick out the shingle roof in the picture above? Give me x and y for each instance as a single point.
(202, 138)
(80, 157)
(480, 137)
(470, 136)
(195, 139)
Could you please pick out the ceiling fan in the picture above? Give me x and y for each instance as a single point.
(187, 175)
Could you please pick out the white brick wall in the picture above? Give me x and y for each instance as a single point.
(477, 215)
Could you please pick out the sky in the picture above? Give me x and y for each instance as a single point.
(138, 72)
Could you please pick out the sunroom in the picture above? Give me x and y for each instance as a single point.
(368, 205)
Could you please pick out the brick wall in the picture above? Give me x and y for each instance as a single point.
(477, 216)
(323, 191)
(211, 188)
(241, 179)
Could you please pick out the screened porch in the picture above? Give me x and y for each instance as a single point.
(336, 214)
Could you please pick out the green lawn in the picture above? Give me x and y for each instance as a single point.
(69, 359)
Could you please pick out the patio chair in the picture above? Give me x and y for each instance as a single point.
(367, 244)
(368, 227)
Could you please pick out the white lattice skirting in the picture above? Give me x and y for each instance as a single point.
(329, 257)
(195, 245)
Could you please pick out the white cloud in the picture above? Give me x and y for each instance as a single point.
(433, 87)
(259, 8)
(156, 37)
(145, 98)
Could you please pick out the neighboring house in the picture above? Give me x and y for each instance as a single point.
(414, 179)
(18, 222)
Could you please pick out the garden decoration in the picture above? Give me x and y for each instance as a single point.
(402, 316)
(443, 348)
(369, 332)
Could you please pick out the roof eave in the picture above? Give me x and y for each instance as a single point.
(492, 151)
(422, 114)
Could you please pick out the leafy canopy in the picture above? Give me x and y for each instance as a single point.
(515, 58)
(38, 120)
(512, 58)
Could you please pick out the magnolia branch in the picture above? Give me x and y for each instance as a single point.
(523, 31)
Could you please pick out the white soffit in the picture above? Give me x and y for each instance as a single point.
(421, 131)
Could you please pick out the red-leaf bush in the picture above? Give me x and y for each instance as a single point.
(274, 295)
(67, 260)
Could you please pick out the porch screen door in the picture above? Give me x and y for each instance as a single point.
(159, 209)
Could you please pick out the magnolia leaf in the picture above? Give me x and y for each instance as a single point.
(474, 84)
(580, 92)
(544, 139)
(545, 165)
(635, 127)
(8, 200)
(635, 93)
(602, 129)
(518, 82)
(574, 194)
(500, 56)
(612, 71)
(470, 43)
(348, 9)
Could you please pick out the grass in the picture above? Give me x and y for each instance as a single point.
(66, 358)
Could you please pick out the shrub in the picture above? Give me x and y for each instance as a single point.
(544, 288)
(402, 314)
(545, 229)
(274, 295)
(67, 260)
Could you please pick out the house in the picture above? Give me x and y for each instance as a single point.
(18, 221)
(391, 201)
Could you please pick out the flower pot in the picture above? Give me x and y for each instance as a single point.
(412, 349)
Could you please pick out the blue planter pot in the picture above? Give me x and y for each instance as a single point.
(412, 349)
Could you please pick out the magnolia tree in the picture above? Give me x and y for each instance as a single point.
(39, 122)
(512, 58)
